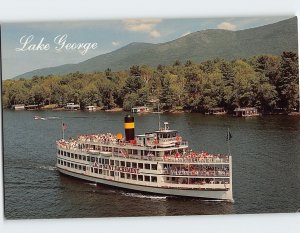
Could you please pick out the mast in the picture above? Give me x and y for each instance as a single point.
(158, 116)
(228, 140)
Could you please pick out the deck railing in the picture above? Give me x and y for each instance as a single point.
(168, 159)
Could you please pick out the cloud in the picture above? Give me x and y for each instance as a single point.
(154, 33)
(227, 26)
(143, 25)
(116, 43)
(185, 34)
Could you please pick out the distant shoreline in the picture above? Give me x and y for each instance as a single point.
(99, 109)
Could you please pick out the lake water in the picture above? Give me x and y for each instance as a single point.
(266, 166)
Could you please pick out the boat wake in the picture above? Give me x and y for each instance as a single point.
(92, 184)
(139, 195)
(49, 168)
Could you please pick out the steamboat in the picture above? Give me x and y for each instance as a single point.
(157, 162)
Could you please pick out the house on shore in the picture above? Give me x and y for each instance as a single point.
(90, 108)
(216, 111)
(140, 109)
(72, 107)
(246, 112)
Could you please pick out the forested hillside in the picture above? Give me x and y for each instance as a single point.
(267, 82)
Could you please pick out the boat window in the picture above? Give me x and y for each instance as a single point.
(83, 168)
(117, 162)
(100, 171)
(65, 153)
(141, 165)
(83, 157)
(116, 150)
(153, 167)
(134, 152)
(68, 164)
(140, 177)
(72, 155)
(122, 175)
(93, 159)
(76, 166)
(147, 178)
(130, 151)
(134, 165)
(88, 158)
(68, 154)
(79, 167)
(76, 156)
(133, 176)
(147, 166)
(128, 175)
(122, 164)
(112, 162)
(72, 165)
(164, 135)
(58, 161)
(153, 179)
(58, 152)
(112, 173)
(106, 161)
(95, 170)
(128, 164)
(79, 157)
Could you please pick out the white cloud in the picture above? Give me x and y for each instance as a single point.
(185, 34)
(116, 43)
(227, 26)
(154, 33)
(142, 25)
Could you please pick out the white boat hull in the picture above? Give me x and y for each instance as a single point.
(206, 194)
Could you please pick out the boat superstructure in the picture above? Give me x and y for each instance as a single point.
(155, 162)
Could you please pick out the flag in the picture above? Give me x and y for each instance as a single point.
(228, 136)
(64, 126)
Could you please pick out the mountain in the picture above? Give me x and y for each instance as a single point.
(198, 46)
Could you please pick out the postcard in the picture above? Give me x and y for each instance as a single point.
(150, 117)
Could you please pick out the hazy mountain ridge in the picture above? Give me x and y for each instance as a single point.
(198, 46)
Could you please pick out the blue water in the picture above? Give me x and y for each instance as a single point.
(266, 165)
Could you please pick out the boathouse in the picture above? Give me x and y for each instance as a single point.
(246, 112)
(72, 106)
(140, 109)
(90, 108)
(216, 111)
(18, 107)
(33, 107)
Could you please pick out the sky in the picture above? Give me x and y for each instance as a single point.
(19, 56)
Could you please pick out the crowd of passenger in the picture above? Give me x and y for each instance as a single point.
(197, 171)
(196, 157)
(102, 138)
(199, 181)
(108, 138)
(68, 144)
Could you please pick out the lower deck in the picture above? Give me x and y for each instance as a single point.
(225, 195)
